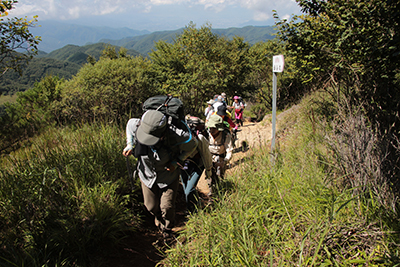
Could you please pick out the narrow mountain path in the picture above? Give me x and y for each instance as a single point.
(139, 249)
(254, 135)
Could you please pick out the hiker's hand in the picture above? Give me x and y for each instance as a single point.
(127, 152)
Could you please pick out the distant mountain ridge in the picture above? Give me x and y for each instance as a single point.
(144, 43)
(56, 34)
(79, 54)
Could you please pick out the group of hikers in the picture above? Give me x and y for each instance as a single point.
(173, 149)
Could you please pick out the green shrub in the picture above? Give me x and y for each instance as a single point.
(259, 110)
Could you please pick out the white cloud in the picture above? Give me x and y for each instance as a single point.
(167, 2)
(263, 8)
(260, 10)
(68, 9)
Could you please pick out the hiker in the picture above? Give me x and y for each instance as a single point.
(223, 112)
(209, 110)
(200, 160)
(220, 148)
(238, 108)
(161, 149)
(218, 102)
(223, 97)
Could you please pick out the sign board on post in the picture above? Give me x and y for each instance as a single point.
(278, 64)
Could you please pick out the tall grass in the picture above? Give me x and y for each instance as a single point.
(64, 198)
(291, 213)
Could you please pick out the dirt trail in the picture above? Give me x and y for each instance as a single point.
(255, 135)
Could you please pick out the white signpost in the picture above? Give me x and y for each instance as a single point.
(278, 64)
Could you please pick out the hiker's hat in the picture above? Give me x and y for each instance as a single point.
(215, 121)
(211, 101)
(152, 127)
(223, 95)
(221, 110)
(236, 97)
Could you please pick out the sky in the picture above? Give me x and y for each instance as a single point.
(158, 15)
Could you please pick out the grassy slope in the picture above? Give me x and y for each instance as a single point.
(65, 197)
(291, 213)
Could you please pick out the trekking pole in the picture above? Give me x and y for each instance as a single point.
(130, 175)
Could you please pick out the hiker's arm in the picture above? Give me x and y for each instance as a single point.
(205, 154)
(131, 128)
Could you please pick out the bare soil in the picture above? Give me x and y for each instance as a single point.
(142, 249)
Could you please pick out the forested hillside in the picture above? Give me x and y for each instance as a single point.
(79, 54)
(64, 63)
(56, 35)
(38, 68)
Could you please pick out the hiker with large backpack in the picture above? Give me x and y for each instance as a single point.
(226, 117)
(200, 160)
(220, 148)
(161, 144)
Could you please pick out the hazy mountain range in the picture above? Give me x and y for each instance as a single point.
(56, 35)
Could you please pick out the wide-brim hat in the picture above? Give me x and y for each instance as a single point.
(211, 101)
(215, 121)
(152, 127)
(221, 110)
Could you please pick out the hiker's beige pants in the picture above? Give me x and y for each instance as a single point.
(161, 203)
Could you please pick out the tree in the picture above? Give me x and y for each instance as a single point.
(32, 112)
(200, 64)
(355, 46)
(112, 89)
(352, 49)
(261, 55)
(17, 44)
